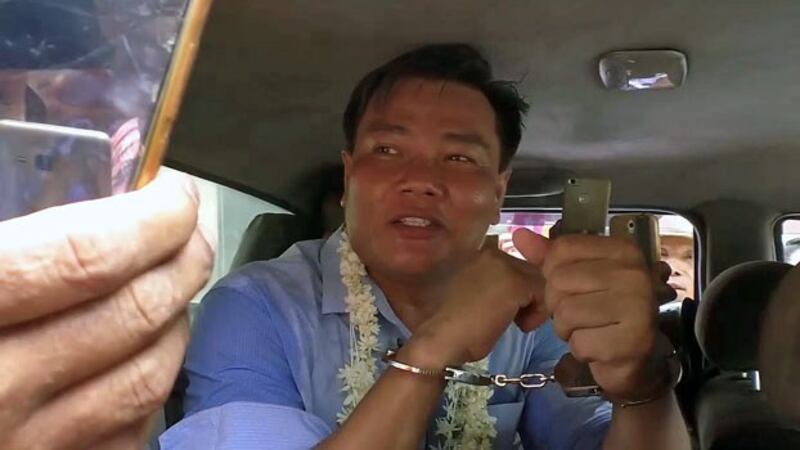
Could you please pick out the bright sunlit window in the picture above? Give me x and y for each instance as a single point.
(789, 241)
(229, 211)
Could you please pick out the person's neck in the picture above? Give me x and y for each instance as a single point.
(413, 300)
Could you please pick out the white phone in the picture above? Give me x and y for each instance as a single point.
(109, 93)
(45, 165)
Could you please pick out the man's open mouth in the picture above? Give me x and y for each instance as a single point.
(415, 222)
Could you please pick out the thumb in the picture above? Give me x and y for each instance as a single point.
(532, 246)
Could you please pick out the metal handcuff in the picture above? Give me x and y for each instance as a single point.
(573, 377)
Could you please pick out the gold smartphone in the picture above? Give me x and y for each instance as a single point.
(98, 81)
(585, 211)
(585, 206)
(174, 87)
(642, 229)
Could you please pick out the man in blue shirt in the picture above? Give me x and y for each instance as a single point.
(430, 137)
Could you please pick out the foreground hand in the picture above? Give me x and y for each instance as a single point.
(92, 330)
(480, 303)
(602, 298)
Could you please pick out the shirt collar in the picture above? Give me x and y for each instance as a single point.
(334, 291)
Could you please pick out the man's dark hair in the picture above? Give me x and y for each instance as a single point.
(461, 63)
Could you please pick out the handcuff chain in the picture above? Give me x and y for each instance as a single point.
(467, 376)
(525, 381)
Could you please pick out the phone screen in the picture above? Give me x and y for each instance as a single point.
(103, 66)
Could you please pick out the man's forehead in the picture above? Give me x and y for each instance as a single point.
(678, 238)
(417, 88)
(677, 241)
(452, 103)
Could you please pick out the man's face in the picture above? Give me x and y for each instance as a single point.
(423, 183)
(678, 252)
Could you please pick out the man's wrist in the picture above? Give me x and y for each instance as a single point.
(427, 352)
(661, 387)
(660, 375)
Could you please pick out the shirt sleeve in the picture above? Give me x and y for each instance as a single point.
(550, 420)
(246, 426)
(241, 392)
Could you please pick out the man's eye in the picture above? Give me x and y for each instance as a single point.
(460, 158)
(385, 150)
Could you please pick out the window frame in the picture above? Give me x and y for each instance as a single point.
(224, 195)
(244, 189)
(777, 232)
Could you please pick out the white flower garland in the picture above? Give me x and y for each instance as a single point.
(358, 375)
(466, 425)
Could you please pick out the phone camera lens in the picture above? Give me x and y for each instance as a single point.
(43, 163)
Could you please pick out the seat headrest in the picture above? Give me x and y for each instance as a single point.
(269, 235)
(779, 349)
(729, 316)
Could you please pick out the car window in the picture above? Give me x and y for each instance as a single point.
(678, 246)
(228, 211)
(789, 240)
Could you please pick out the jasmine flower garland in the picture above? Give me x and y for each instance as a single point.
(466, 424)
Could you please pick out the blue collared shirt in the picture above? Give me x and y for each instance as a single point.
(269, 341)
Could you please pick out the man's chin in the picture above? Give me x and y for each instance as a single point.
(412, 270)
(413, 267)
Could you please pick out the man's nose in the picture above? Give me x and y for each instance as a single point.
(673, 264)
(422, 178)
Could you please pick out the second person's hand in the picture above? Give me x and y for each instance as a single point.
(92, 315)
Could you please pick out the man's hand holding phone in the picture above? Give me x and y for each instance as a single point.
(92, 315)
(602, 298)
(598, 289)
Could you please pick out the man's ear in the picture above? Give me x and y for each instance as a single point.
(347, 162)
(500, 191)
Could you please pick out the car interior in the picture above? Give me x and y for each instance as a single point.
(719, 146)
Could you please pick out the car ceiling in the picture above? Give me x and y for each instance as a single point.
(264, 106)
